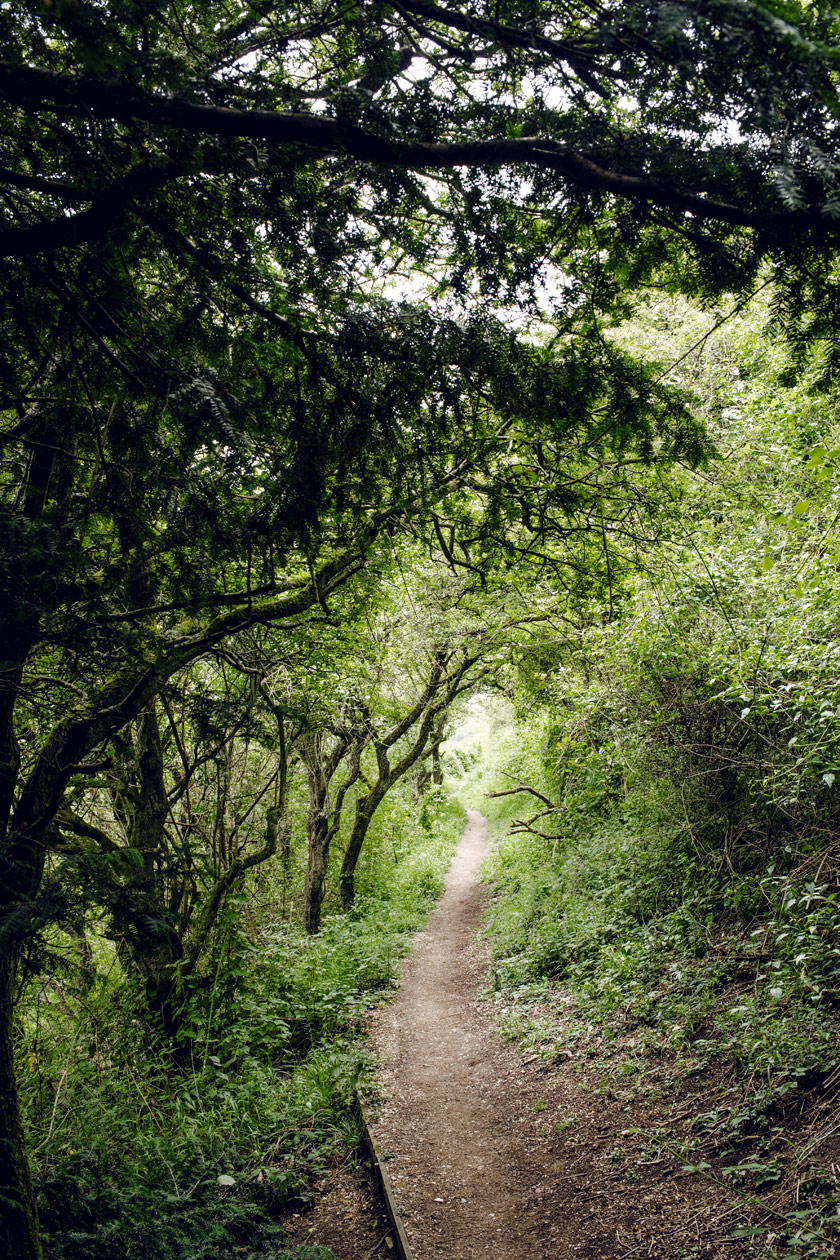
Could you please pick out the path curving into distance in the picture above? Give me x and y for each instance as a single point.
(508, 1158)
(457, 1117)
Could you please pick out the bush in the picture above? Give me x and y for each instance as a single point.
(150, 1149)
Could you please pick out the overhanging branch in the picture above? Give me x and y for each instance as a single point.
(582, 62)
(105, 210)
(34, 88)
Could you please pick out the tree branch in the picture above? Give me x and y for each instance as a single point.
(31, 87)
(583, 63)
(524, 788)
(106, 208)
(67, 820)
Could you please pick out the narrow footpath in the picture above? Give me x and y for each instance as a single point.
(493, 1156)
(463, 1172)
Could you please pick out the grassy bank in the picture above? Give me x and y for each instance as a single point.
(703, 996)
(157, 1150)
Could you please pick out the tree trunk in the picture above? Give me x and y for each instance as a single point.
(164, 944)
(437, 770)
(19, 1237)
(13, 653)
(366, 807)
(285, 869)
(21, 869)
(141, 914)
(324, 819)
(316, 872)
(421, 781)
(21, 634)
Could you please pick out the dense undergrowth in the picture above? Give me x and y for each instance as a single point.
(667, 865)
(153, 1149)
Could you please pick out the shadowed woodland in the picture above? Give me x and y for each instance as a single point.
(358, 360)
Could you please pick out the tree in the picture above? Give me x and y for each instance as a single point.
(194, 806)
(450, 675)
(323, 753)
(707, 132)
(209, 423)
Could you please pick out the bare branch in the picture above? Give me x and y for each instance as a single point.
(523, 787)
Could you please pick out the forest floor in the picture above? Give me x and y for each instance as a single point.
(495, 1155)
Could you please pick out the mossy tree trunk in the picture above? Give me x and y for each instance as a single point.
(141, 914)
(324, 820)
(19, 1236)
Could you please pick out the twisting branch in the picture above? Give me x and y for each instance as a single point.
(106, 209)
(582, 62)
(522, 787)
(520, 825)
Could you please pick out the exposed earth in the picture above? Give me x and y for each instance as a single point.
(495, 1155)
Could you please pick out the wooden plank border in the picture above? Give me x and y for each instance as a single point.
(394, 1216)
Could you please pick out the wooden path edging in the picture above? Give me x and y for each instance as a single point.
(394, 1215)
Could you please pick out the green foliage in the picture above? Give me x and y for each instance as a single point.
(159, 1150)
(405, 877)
(666, 871)
(219, 411)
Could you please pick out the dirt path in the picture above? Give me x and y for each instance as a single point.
(465, 1174)
(493, 1157)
